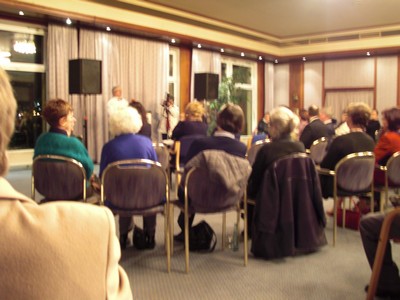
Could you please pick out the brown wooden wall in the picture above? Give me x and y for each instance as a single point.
(185, 76)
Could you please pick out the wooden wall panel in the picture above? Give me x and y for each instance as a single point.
(185, 67)
(260, 90)
(296, 85)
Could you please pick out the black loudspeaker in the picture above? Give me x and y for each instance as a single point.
(206, 86)
(84, 76)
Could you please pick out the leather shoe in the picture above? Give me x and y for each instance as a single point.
(179, 237)
(123, 241)
(150, 242)
(385, 293)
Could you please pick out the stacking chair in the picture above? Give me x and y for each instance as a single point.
(392, 178)
(353, 176)
(317, 150)
(163, 156)
(137, 187)
(210, 192)
(380, 251)
(181, 149)
(58, 178)
(253, 150)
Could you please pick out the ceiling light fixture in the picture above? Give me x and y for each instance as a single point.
(199, 46)
(108, 28)
(173, 41)
(260, 58)
(222, 50)
(304, 58)
(368, 53)
(276, 61)
(21, 13)
(242, 54)
(68, 21)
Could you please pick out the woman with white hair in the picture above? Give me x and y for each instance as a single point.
(125, 122)
(283, 126)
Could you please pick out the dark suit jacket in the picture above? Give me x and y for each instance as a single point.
(145, 130)
(313, 131)
(265, 157)
(340, 147)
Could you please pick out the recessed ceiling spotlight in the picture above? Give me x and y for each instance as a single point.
(68, 21)
(242, 54)
(368, 53)
(304, 58)
(260, 58)
(21, 13)
(222, 50)
(108, 28)
(199, 46)
(276, 61)
(173, 41)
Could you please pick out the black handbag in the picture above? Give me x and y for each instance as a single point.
(202, 238)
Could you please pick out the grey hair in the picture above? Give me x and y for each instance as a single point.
(124, 120)
(7, 118)
(283, 122)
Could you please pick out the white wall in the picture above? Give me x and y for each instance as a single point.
(281, 85)
(386, 82)
(312, 84)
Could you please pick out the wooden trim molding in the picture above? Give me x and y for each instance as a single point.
(398, 80)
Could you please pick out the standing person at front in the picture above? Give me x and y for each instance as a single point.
(170, 117)
(230, 121)
(315, 129)
(116, 100)
(124, 124)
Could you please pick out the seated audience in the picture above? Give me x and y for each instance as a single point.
(389, 279)
(59, 139)
(389, 142)
(57, 250)
(326, 117)
(230, 121)
(124, 124)
(373, 125)
(193, 123)
(303, 114)
(282, 126)
(263, 125)
(342, 128)
(356, 141)
(315, 129)
(146, 127)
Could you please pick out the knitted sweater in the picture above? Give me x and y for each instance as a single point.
(59, 144)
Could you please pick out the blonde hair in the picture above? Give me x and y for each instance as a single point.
(194, 111)
(124, 120)
(7, 118)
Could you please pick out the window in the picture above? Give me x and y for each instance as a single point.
(243, 75)
(22, 56)
(173, 74)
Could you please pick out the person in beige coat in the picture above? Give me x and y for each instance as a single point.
(58, 250)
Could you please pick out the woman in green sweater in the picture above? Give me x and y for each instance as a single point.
(58, 140)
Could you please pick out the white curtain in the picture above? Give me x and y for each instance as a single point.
(204, 62)
(62, 45)
(339, 100)
(139, 66)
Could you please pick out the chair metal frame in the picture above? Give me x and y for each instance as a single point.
(185, 210)
(59, 158)
(390, 170)
(253, 150)
(358, 155)
(380, 252)
(318, 148)
(144, 164)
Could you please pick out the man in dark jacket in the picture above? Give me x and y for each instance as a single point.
(315, 130)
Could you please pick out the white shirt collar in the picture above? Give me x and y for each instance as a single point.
(224, 133)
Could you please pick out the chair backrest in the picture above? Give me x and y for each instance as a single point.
(355, 172)
(253, 150)
(162, 155)
(58, 178)
(318, 150)
(393, 169)
(217, 182)
(134, 185)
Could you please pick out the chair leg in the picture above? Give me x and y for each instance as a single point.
(186, 240)
(167, 237)
(245, 243)
(171, 228)
(335, 200)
